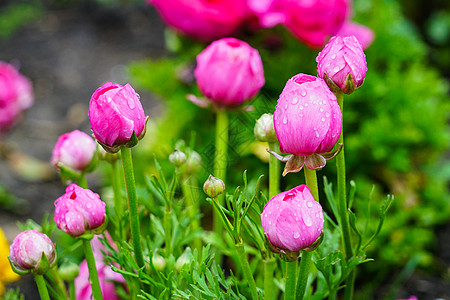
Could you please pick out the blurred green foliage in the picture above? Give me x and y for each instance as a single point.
(17, 14)
(396, 125)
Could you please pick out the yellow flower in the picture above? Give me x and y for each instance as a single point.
(7, 275)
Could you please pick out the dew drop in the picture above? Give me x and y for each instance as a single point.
(301, 115)
(323, 119)
(309, 204)
(296, 235)
(321, 109)
(333, 56)
(270, 222)
(327, 114)
(285, 106)
(294, 100)
(301, 106)
(336, 69)
(306, 104)
(131, 103)
(317, 134)
(303, 93)
(307, 220)
(285, 120)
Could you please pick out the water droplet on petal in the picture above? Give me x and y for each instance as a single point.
(296, 235)
(323, 119)
(307, 219)
(301, 106)
(327, 114)
(285, 120)
(336, 69)
(321, 109)
(303, 93)
(309, 204)
(333, 56)
(317, 134)
(131, 103)
(294, 100)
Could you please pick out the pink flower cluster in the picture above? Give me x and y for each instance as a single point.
(311, 21)
(16, 95)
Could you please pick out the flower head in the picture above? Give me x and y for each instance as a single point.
(16, 95)
(342, 64)
(307, 117)
(117, 117)
(32, 251)
(203, 20)
(74, 150)
(79, 211)
(292, 220)
(229, 72)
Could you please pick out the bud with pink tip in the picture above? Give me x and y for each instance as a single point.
(308, 123)
(16, 95)
(213, 187)
(292, 221)
(32, 250)
(80, 211)
(342, 64)
(229, 72)
(117, 117)
(74, 150)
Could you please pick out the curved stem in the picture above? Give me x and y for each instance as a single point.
(342, 196)
(246, 270)
(269, 287)
(302, 282)
(127, 163)
(93, 275)
(291, 280)
(42, 287)
(274, 171)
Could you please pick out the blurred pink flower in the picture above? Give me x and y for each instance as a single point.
(229, 72)
(292, 220)
(16, 95)
(74, 150)
(363, 34)
(79, 211)
(203, 19)
(342, 64)
(116, 113)
(26, 252)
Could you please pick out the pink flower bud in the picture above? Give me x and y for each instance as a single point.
(79, 211)
(307, 118)
(16, 95)
(342, 64)
(27, 250)
(74, 150)
(203, 20)
(292, 220)
(116, 114)
(229, 72)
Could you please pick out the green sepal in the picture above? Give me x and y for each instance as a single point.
(315, 161)
(109, 149)
(68, 174)
(350, 86)
(16, 269)
(133, 141)
(333, 87)
(315, 244)
(88, 235)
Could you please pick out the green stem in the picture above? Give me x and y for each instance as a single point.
(168, 229)
(42, 287)
(59, 282)
(311, 182)
(127, 163)
(93, 275)
(302, 282)
(82, 182)
(72, 290)
(291, 280)
(342, 196)
(269, 287)
(240, 250)
(193, 207)
(220, 160)
(274, 171)
(115, 182)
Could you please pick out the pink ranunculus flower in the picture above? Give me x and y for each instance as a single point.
(308, 122)
(312, 21)
(229, 72)
(292, 221)
(74, 150)
(106, 276)
(26, 252)
(342, 64)
(116, 114)
(363, 34)
(79, 211)
(203, 20)
(16, 95)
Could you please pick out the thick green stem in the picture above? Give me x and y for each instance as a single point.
(93, 275)
(72, 290)
(42, 287)
(291, 280)
(269, 286)
(302, 281)
(248, 275)
(274, 171)
(127, 163)
(115, 182)
(59, 282)
(342, 196)
(82, 182)
(168, 230)
(220, 160)
(305, 262)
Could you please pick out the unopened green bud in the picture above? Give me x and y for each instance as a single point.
(68, 271)
(264, 130)
(193, 163)
(184, 259)
(158, 262)
(177, 158)
(213, 187)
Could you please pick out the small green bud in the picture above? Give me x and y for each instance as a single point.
(158, 262)
(184, 259)
(264, 130)
(213, 187)
(68, 271)
(193, 163)
(177, 158)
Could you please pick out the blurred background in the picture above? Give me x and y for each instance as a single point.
(396, 125)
